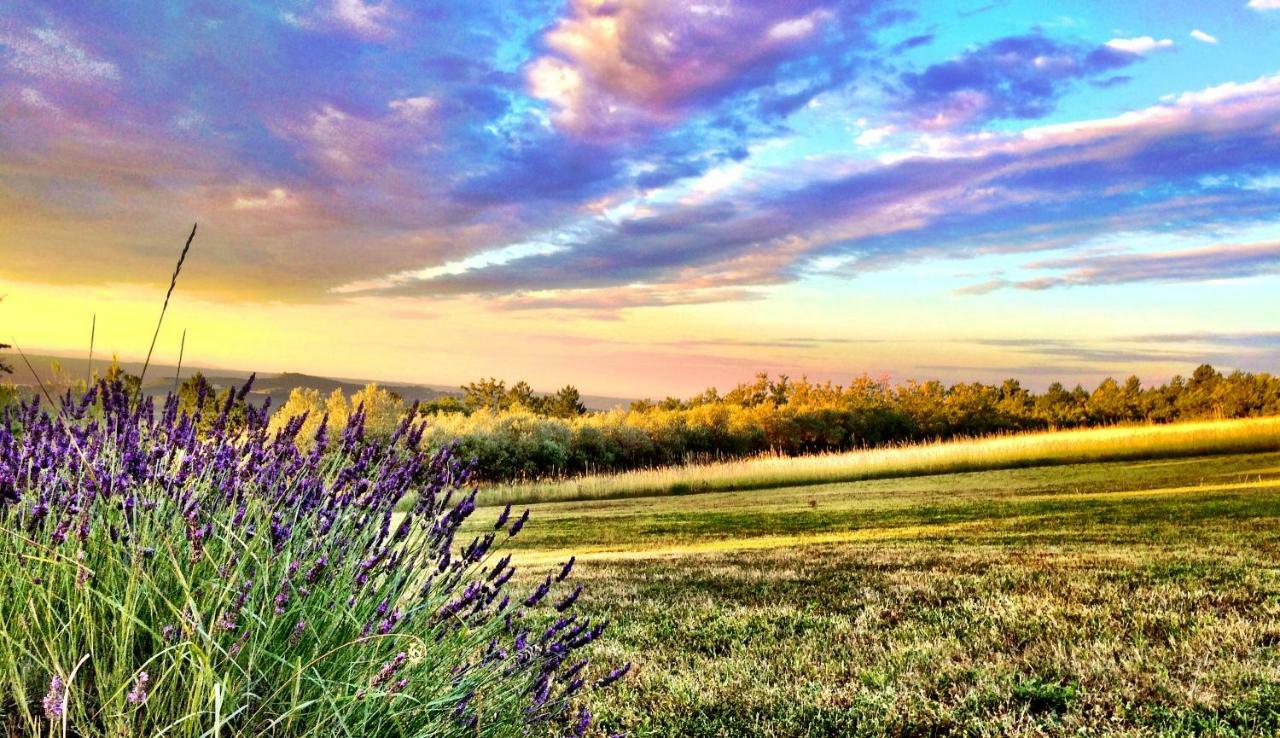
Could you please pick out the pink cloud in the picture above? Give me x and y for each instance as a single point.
(615, 67)
(52, 54)
(350, 144)
(369, 21)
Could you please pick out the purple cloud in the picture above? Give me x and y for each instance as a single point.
(1013, 77)
(616, 69)
(1175, 166)
(1220, 261)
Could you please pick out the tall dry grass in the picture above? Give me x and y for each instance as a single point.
(1251, 435)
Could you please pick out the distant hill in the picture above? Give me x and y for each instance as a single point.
(160, 379)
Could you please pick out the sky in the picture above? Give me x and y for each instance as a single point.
(647, 197)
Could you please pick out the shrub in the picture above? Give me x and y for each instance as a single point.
(157, 580)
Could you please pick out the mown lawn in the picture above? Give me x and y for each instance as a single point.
(1094, 599)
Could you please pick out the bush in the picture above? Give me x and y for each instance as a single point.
(516, 435)
(154, 579)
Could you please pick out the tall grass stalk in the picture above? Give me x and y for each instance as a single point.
(182, 350)
(173, 282)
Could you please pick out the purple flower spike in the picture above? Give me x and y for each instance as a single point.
(614, 676)
(568, 601)
(138, 694)
(293, 540)
(516, 526)
(568, 567)
(502, 519)
(55, 700)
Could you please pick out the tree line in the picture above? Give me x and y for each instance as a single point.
(516, 433)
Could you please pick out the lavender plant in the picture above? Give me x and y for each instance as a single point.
(160, 580)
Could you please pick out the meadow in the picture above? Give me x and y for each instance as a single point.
(1137, 597)
(972, 454)
(1111, 581)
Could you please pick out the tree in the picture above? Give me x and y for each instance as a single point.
(383, 410)
(443, 406)
(303, 402)
(521, 395)
(566, 403)
(197, 395)
(486, 394)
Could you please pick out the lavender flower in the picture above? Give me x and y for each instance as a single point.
(568, 567)
(55, 700)
(389, 669)
(361, 535)
(502, 519)
(516, 526)
(568, 601)
(614, 676)
(138, 694)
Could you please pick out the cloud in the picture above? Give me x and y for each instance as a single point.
(275, 198)
(912, 42)
(1264, 4)
(679, 175)
(605, 303)
(1248, 339)
(1118, 355)
(618, 68)
(1139, 45)
(983, 288)
(1199, 35)
(53, 54)
(1049, 187)
(1220, 261)
(370, 21)
(874, 135)
(1012, 77)
(1091, 351)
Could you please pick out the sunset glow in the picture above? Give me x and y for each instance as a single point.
(647, 198)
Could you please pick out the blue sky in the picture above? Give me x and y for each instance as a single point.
(960, 190)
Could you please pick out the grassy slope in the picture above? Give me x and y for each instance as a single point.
(1132, 598)
(1254, 435)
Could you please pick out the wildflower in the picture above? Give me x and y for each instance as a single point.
(389, 670)
(82, 572)
(236, 647)
(301, 525)
(55, 700)
(516, 526)
(138, 694)
(568, 567)
(538, 593)
(614, 676)
(568, 601)
(502, 519)
(281, 601)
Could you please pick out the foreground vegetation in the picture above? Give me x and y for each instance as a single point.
(164, 574)
(1124, 599)
(999, 452)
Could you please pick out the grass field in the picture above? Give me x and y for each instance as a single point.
(1121, 598)
(1003, 452)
